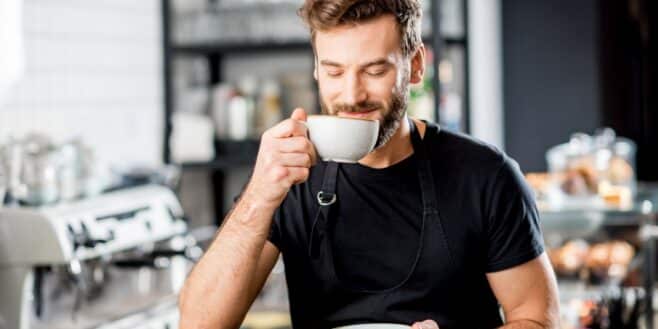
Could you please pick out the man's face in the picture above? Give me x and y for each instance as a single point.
(362, 73)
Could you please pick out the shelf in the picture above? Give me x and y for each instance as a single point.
(230, 155)
(592, 218)
(218, 164)
(583, 223)
(240, 47)
(461, 41)
(206, 48)
(455, 41)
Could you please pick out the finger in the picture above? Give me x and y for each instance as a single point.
(288, 128)
(295, 160)
(295, 144)
(297, 174)
(299, 114)
(298, 145)
(427, 324)
(313, 153)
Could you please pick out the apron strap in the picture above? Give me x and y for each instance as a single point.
(427, 185)
(424, 171)
(325, 197)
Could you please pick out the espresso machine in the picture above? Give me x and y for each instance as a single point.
(112, 261)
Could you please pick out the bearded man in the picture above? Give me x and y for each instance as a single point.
(433, 229)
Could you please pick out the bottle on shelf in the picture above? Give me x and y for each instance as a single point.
(221, 96)
(238, 128)
(241, 110)
(269, 106)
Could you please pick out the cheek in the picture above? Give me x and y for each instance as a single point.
(329, 88)
(383, 89)
(402, 80)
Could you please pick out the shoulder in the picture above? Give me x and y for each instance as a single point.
(458, 153)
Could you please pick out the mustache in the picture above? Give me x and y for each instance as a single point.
(357, 108)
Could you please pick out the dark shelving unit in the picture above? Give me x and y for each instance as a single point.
(167, 89)
(455, 41)
(237, 154)
(230, 154)
(219, 164)
(242, 47)
(463, 42)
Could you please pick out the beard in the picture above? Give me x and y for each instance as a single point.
(391, 121)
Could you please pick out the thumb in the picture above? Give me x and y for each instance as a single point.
(299, 114)
(427, 324)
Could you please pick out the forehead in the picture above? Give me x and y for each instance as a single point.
(368, 40)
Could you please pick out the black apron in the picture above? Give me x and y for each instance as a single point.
(424, 293)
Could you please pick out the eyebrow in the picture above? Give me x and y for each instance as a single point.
(376, 62)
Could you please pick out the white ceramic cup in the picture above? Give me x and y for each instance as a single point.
(340, 139)
(375, 326)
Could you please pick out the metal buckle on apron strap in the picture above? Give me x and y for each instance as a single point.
(326, 199)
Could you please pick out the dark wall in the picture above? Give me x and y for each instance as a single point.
(648, 143)
(629, 75)
(550, 75)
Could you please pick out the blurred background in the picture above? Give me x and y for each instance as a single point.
(109, 95)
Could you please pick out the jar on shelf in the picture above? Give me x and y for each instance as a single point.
(592, 171)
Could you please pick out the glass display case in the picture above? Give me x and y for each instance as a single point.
(605, 261)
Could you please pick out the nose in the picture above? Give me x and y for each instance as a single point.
(353, 90)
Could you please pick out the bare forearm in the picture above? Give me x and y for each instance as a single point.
(221, 287)
(214, 295)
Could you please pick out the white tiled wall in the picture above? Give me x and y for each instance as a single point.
(93, 69)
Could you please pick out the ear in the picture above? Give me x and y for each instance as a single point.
(417, 65)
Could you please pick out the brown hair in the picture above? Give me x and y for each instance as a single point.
(321, 15)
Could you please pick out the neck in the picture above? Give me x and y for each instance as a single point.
(395, 150)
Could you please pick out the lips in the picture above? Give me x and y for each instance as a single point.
(362, 114)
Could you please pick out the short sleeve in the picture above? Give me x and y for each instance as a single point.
(513, 230)
(275, 229)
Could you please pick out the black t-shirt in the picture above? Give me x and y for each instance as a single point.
(491, 222)
(384, 208)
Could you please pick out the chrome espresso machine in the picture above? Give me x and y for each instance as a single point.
(112, 261)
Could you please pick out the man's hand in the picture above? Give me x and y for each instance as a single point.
(427, 324)
(284, 158)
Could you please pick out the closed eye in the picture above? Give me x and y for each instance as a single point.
(375, 73)
(334, 73)
(377, 69)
